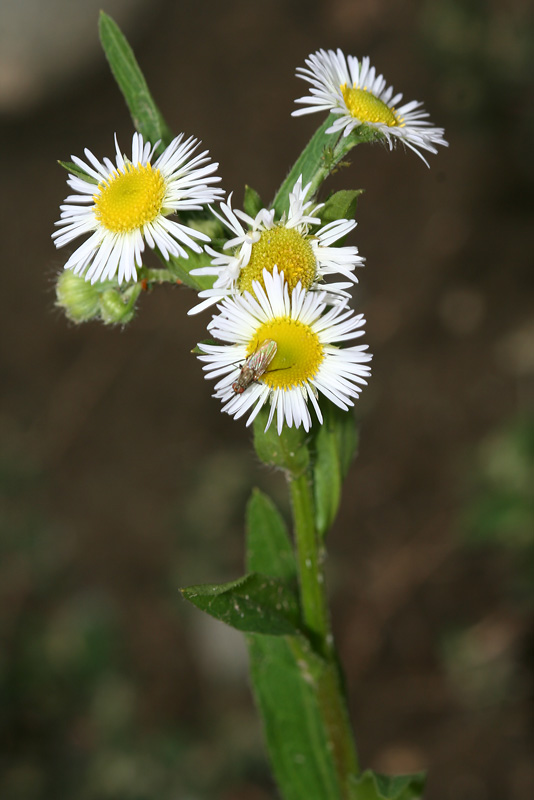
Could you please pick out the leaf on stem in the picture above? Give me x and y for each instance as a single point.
(252, 203)
(78, 172)
(340, 205)
(285, 675)
(269, 549)
(254, 603)
(146, 116)
(373, 786)
(335, 444)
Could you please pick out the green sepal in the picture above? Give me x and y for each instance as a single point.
(269, 548)
(74, 169)
(254, 603)
(340, 205)
(335, 443)
(373, 786)
(252, 203)
(146, 116)
(287, 450)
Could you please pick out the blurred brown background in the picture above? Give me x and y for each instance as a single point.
(121, 480)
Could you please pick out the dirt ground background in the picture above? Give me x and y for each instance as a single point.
(121, 480)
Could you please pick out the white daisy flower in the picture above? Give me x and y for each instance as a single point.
(352, 89)
(126, 204)
(303, 256)
(306, 360)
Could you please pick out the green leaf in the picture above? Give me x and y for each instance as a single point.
(181, 269)
(287, 450)
(373, 786)
(341, 205)
(146, 116)
(255, 604)
(252, 203)
(315, 156)
(335, 443)
(269, 549)
(286, 677)
(74, 169)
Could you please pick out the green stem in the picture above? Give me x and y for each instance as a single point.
(330, 694)
(310, 560)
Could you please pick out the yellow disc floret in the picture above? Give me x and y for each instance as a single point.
(289, 250)
(366, 107)
(128, 200)
(298, 356)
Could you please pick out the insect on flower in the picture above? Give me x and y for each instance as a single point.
(255, 365)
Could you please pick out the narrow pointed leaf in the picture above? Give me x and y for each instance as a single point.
(314, 157)
(286, 690)
(74, 169)
(295, 689)
(340, 205)
(146, 116)
(269, 549)
(373, 786)
(255, 604)
(335, 444)
(252, 203)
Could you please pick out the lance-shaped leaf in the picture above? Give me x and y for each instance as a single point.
(146, 116)
(340, 205)
(296, 690)
(373, 786)
(252, 203)
(286, 676)
(74, 169)
(269, 549)
(254, 604)
(335, 444)
(314, 157)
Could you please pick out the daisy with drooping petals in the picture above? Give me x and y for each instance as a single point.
(352, 89)
(126, 204)
(263, 243)
(307, 357)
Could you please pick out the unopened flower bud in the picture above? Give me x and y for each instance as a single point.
(114, 309)
(77, 297)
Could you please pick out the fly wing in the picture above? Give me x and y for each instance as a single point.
(259, 361)
(255, 365)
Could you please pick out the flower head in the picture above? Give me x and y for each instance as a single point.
(352, 90)
(304, 257)
(306, 360)
(126, 204)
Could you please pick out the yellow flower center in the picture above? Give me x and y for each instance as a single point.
(298, 356)
(288, 249)
(128, 200)
(366, 107)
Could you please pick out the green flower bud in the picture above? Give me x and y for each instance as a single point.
(77, 297)
(114, 309)
(287, 451)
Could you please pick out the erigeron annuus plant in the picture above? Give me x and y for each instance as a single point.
(285, 354)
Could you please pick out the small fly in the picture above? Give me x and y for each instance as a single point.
(255, 365)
